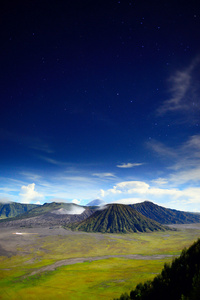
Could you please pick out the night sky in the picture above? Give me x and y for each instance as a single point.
(100, 99)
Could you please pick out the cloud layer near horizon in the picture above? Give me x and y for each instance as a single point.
(137, 191)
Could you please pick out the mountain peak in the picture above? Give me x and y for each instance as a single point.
(116, 218)
(96, 202)
(165, 215)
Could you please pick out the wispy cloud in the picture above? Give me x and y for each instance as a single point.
(104, 175)
(129, 165)
(193, 144)
(191, 176)
(39, 146)
(183, 155)
(161, 149)
(183, 90)
(183, 160)
(160, 181)
(76, 179)
(51, 160)
(31, 176)
(8, 189)
(27, 141)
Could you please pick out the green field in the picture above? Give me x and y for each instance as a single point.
(91, 279)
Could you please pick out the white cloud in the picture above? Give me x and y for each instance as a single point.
(102, 193)
(5, 200)
(142, 190)
(126, 187)
(130, 187)
(129, 165)
(76, 201)
(114, 190)
(193, 194)
(29, 195)
(164, 192)
(129, 201)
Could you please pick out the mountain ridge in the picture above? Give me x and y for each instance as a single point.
(13, 209)
(49, 214)
(116, 218)
(61, 213)
(165, 215)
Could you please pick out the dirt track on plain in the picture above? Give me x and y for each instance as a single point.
(11, 238)
(73, 261)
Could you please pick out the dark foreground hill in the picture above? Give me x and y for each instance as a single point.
(49, 214)
(116, 218)
(13, 209)
(165, 215)
(178, 281)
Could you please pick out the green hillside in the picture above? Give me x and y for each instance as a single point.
(45, 208)
(116, 218)
(39, 210)
(178, 281)
(165, 215)
(13, 209)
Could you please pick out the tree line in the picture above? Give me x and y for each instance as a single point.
(179, 280)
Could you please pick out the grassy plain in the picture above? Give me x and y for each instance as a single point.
(91, 279)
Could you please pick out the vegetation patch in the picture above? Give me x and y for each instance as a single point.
(178, 280)
(105, 278)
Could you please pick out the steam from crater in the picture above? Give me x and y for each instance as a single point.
(73, 210)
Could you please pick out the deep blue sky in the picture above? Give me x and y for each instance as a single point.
(100, 99)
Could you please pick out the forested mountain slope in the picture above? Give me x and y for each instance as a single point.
(165, 215)
(13, 209)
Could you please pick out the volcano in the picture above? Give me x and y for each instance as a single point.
(117, 218)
